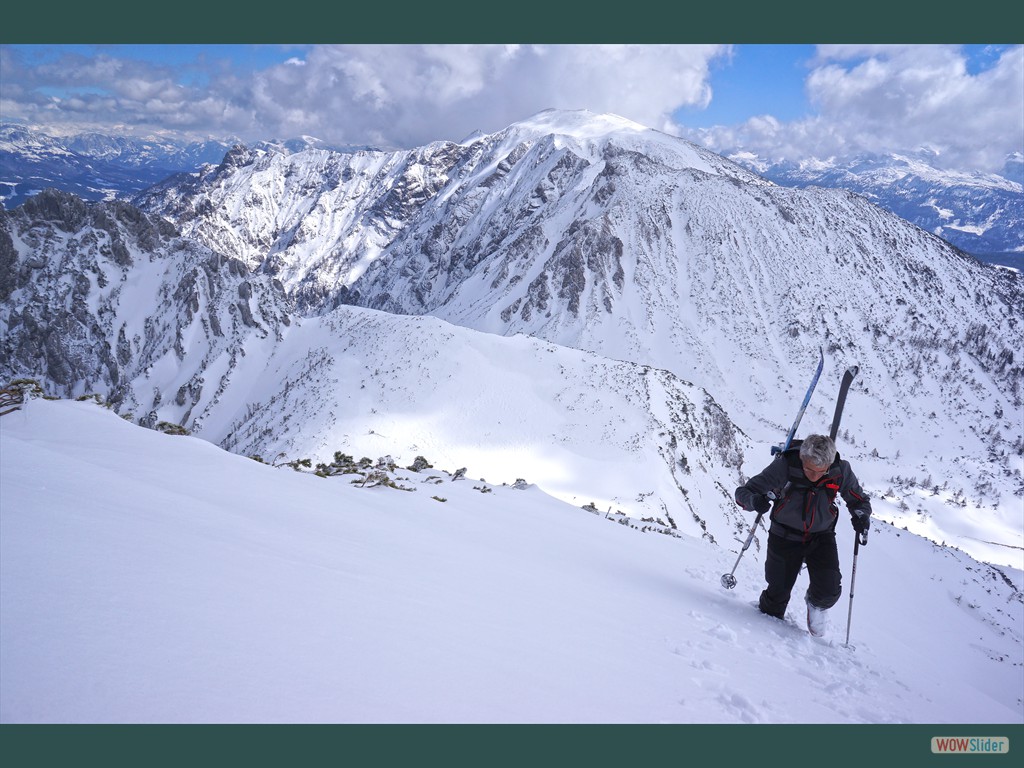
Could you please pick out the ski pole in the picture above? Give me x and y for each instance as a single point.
(728, 580)
(857, 540)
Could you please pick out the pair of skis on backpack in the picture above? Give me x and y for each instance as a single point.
(844, 388)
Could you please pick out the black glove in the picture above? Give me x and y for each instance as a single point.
(861, 520)
(761, 504)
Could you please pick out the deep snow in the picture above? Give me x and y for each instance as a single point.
(150, 578)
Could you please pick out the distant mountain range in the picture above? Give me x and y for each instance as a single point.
(101, 166)
(982, 214)
(623, 316)
(92, 165)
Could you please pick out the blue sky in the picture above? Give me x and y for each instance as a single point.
(778, 101)
(740, 86)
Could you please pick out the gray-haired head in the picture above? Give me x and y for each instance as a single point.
(818, 450)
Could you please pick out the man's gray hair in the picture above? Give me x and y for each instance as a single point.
(818, 450)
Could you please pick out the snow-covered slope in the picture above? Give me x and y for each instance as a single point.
(149, 578)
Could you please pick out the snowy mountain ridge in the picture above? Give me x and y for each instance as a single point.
(168, 335)
(663, 306)
(980, 213)
(591, 233)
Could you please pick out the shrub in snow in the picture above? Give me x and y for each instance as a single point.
(386, 463)
(27, 387)
(374, 478)
(420, 463)
(170, 429)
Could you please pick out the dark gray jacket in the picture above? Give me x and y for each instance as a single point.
(803, 508)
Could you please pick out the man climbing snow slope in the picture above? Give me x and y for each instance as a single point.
(805, 480)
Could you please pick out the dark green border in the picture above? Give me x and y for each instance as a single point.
(495, 746)
(516, 21)
(524, 21)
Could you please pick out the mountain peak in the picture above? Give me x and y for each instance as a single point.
(578, 123)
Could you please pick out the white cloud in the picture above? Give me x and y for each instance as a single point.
(413, 94)
(897, 98)
(393, 95)
(867, 98)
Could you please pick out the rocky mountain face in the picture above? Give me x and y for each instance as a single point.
(672, 303)
(100, 298)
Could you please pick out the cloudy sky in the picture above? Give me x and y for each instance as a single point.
(780, 101)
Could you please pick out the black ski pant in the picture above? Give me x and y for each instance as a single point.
(783, 560)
